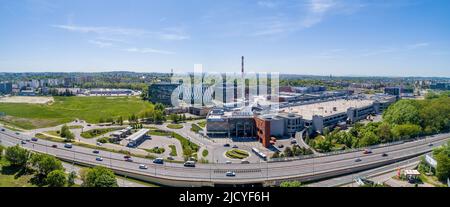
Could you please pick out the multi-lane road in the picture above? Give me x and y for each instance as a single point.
(209, 174)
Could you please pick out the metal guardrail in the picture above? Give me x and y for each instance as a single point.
(284, 159)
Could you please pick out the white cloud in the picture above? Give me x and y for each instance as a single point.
(316, 11)
(149, 50)
(165, 34)
(418, 45)
(101, 44)
(267, 4)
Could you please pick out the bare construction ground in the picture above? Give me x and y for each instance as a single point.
(27, 99)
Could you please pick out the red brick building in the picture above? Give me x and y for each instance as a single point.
(263, 131)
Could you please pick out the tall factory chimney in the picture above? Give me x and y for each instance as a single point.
(243, 82)
(242, 63)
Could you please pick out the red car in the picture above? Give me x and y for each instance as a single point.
(367, 151)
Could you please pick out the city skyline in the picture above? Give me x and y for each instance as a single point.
(315, 37)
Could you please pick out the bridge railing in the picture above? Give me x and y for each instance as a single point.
(283, 159)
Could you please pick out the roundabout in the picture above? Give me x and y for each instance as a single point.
(237, 154)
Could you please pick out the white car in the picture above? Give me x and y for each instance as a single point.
(228, 162)
(99, 143)
(230, 174)
(142, 166)
(99, 159)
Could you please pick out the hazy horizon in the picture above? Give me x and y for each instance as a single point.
(359, 38)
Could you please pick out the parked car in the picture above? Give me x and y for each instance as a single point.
(34, 139)
(358, 160)
(55, 146)
(235, 146)
(99, 159)
(230, 174)
(23, 142)
(142, 166)
(68, 145)
(158, 160)
(189, 164)
(293, 141)
(280, 146)
(245, 162)
(228, 162)
(95, 151)
(226, 145)
(170, 158)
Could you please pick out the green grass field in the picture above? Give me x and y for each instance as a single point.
(66, 109)
(174, 126)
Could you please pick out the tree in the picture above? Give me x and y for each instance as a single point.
(120, 121)
(66, 133)
(323, 145)
(71, 178)
(1, 151)
(17, 156)
(45, 164)
(159, 107)
(443, 166)
(288, 152)
(403, 112)
(369, 138)
(56, 178)
(442, 156)
(384, 132)
(290, 184)
(276, 155)
(99, 177)
(406, 131)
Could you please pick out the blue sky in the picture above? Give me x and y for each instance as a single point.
(320, 37)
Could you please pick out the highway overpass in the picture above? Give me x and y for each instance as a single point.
(265, 173)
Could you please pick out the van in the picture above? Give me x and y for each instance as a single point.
(189, 164)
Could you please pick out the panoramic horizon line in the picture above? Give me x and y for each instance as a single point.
(298, 74)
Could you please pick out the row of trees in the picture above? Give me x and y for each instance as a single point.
(404, 119)
(291, 152)
(56, 92)
(176, 118)
(49, 170)
(155, 115)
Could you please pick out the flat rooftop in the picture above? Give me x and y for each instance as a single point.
(137, 135)
(328, 108)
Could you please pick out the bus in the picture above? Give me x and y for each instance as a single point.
(260, 154)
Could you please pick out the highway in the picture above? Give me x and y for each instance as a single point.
(267, 173)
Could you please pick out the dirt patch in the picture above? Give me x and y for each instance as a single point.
(27, 99)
